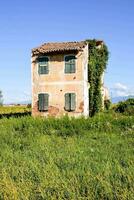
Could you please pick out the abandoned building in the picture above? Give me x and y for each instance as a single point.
(60, 79)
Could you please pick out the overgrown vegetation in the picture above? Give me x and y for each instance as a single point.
(67, 158)
(107, 104)
(125, 107)
(98, 57)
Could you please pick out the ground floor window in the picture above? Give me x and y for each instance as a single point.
(43, 102)
(70, 101)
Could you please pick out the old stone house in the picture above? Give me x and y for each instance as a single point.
(60, 79)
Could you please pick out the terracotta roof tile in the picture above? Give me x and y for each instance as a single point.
(61, 46)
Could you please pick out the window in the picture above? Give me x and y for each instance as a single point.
(70, 64)
(43, 65)
(43, 102)
(70, 101)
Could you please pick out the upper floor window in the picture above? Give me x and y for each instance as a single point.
(70, 64)
(43, 65)
(70, 101)
(43, 102)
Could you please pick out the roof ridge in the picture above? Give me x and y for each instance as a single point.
(64, 42)
(62, 46)
(59, 46)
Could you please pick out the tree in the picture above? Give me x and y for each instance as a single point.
(1, 98)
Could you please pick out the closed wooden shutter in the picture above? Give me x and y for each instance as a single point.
(46, 97)
(73, 101)
(43, 101)
(67, 65)
(43, 67)
(67, 101)
(70, 64)
(70, 101)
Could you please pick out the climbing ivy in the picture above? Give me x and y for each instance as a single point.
(97, 62)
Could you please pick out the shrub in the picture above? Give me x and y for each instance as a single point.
(107, 104)
(126, 107)
(29, 105)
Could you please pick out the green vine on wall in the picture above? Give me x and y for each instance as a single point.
(97, 62)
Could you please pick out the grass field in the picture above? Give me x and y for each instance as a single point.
(67, 158)
(8, 111)
(14, 109)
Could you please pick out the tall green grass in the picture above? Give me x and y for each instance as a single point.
(67, 158)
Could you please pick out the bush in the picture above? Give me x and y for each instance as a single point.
(126, 107)
(107, 104)
(29, 105)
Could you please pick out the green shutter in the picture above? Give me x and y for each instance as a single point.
(43, 102)
(70, 64)
(67, 68)
(43, 67)
(70, 101)
(73, 101)
(67, 101)
(46, 96)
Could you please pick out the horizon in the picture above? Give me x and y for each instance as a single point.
(114, 99)
(33, 23)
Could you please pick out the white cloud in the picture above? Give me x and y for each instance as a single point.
(120, 89)
(120, 86)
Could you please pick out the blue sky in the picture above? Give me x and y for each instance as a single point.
(29, 23)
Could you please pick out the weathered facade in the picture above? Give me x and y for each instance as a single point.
(60, 79)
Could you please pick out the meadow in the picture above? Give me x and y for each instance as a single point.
(17, 110)
(42, 159)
